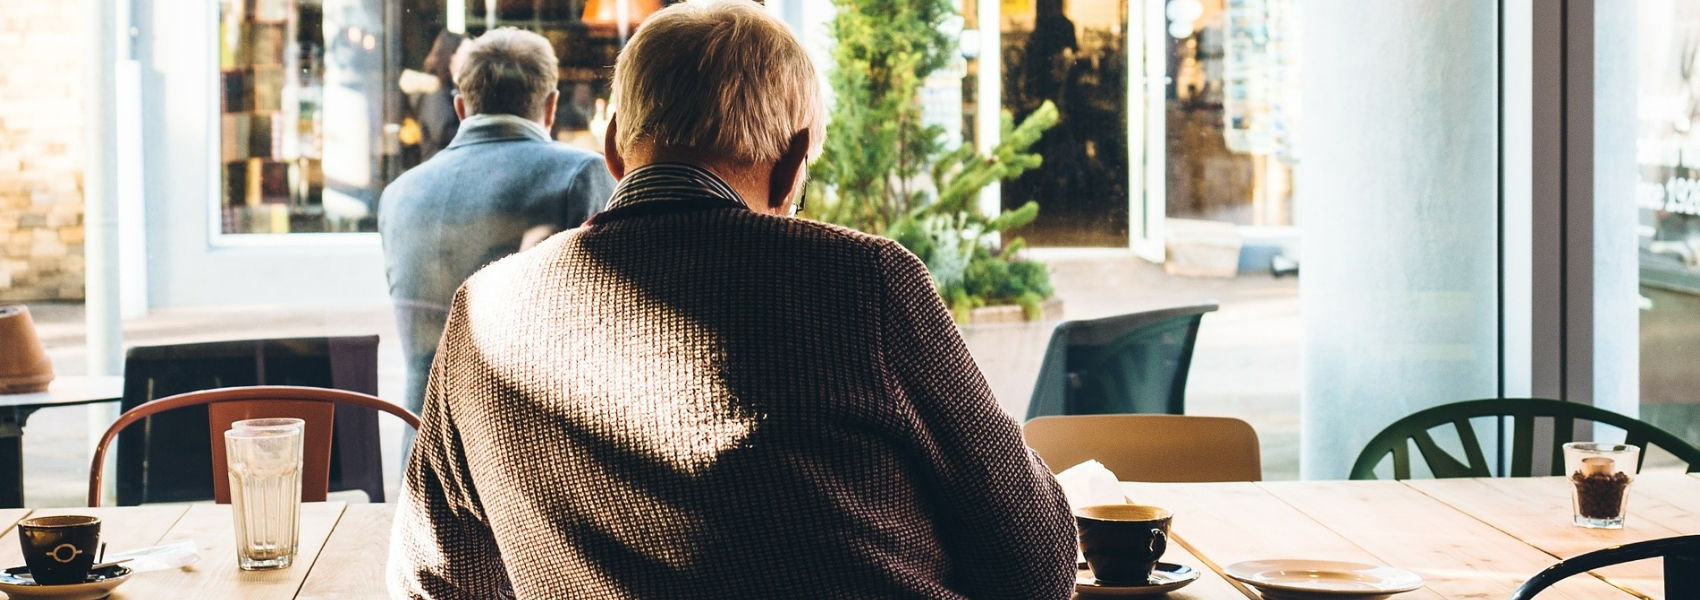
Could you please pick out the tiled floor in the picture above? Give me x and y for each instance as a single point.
(1246, 364)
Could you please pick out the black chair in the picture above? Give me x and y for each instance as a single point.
(1134, 363)
(1395, 441)
(1682, 566)
(168, 458)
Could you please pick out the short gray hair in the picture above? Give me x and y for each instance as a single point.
(509, 71)
(717, 76)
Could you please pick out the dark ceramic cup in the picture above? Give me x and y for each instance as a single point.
(59, 549)
(1122, 542)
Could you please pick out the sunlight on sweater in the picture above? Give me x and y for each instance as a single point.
(685, 418)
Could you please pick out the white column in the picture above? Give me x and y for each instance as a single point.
(1613, 316)
(1397, 205)
(104, 326)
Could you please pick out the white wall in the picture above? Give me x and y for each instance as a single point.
(1398, 213)
(180, 107)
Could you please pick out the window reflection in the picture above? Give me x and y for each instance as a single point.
(1667, 202)
(326, 101)
(1072, 53)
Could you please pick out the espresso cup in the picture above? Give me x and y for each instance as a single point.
(1122, 542)
(59, 549)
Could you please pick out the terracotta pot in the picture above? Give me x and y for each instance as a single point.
(24, 366)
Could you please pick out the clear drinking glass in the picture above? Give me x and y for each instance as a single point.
(1600, 474)
(265, 494)
(270, 422)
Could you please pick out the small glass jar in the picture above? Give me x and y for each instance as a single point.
(1600, 474)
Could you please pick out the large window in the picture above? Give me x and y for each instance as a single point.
(1667, 208)
(1181, 138)
(1380, 253)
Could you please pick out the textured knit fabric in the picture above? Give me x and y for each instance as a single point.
(706, 402)
(469, 205)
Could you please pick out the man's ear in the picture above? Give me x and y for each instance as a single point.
(611, 151)
(551, 104)
(460, 107)
(789, 170)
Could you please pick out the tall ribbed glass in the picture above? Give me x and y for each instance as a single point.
(265, 493)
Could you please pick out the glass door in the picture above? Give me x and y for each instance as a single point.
(1666, 199)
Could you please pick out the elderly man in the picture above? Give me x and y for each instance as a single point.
(499, 186)
(697, 396)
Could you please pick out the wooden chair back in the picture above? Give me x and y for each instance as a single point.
(315, 406)
(1158, 448)
(167, 460)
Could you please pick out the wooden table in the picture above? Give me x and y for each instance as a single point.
(342, 552)
(15, 410)
(1468, 538)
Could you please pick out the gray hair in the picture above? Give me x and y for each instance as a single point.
(509, 71)
(717, 76)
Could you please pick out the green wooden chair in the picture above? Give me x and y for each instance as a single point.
(1394, 440)
(1127, 364)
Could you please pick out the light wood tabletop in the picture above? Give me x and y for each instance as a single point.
(1467, 538)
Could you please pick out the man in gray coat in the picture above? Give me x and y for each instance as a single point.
(498, 188)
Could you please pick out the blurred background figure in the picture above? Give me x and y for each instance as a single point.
(434, 94)
(498, 187)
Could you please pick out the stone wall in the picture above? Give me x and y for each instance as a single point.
(41, 149)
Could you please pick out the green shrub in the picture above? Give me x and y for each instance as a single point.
(886, 173)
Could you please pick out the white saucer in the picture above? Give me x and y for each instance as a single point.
(99, 585)
(1167, 577)
(1333, 580)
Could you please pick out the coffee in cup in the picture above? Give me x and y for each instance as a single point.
(1122, 542)
(59, 549)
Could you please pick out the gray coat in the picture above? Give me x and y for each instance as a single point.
(467, 206)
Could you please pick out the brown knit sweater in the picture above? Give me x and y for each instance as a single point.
(688, 399)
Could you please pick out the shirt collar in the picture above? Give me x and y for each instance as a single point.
(671, 181)
(486, 127)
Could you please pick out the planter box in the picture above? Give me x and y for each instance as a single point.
(1009, 349)
(1201, 248)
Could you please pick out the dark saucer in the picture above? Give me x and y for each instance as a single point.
(1167, 577)
(98, 584)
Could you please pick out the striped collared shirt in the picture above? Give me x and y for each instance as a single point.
(671, 181)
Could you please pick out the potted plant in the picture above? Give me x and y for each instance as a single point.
(884, 171)
(887, 173)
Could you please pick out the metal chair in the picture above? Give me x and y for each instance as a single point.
(1682, 566)
(316, 406)
(1160, 448)
(167, 460)
(1134, 363)
(1396, 439)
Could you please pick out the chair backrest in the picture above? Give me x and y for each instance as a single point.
(165, 461)
(1133, 363)
(1682, 566)
(224, 406)
(1161, 448)
(1396, 439)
